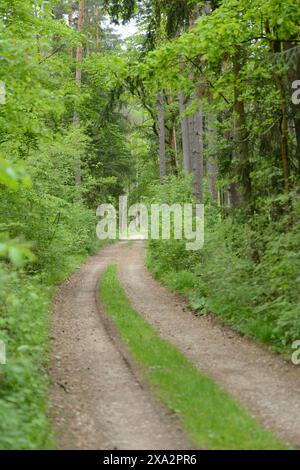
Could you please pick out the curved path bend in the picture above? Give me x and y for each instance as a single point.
(97, 399)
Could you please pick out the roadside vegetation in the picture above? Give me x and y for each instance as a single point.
(211, 418)
(258, 297)
(24, 324)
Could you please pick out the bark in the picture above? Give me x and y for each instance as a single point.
(275, 47)
(196, 133)
(187, 158)
(97, 27)
(234, 196)
(79, 56)
(212, 168)
(197, 151)
(293, 75)
(79, 50)
(70, 14)
(284, 147)
(174, 142)
(172, 139)
(296, 117)
(173, 147)
(240, 135)
(162, 137)
(194, 16)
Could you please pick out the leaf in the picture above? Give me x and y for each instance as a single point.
(197, 303)
(16, 257)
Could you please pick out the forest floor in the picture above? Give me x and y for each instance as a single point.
(98, 400)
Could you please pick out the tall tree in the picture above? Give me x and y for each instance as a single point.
(184, 122)
(162, 136)
(211, 164)
(240, 132)
(79, 57)
(197, 150)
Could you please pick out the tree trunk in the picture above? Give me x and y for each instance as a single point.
(162, 137)
(173, 147)
(293, 75)
(187, 158)
(197, 151)
(284, 147)
(234, 196)
(296, 114)
(79, 51)
(172, 139)
(70, 14)
(276, 46)
(97, 27)
(284, 134)
(211, 167)
(240, 135)
(196, 134)
(79, 56)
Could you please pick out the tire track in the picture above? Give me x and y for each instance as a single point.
(97, 402)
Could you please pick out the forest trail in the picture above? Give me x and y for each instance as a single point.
(97, 399)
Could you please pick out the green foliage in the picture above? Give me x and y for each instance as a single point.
(247, 273)
(23, 327)
(25, 304)
(13, 177)
(179, 281)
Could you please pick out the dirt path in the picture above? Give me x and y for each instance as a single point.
(98, 402)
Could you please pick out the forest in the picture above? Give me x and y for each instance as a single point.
(167, 102)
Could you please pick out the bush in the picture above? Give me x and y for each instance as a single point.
(47, 225)
(24, 305)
